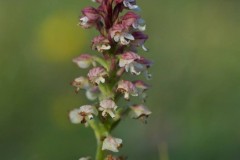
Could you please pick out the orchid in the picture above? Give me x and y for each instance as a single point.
(120, 36)
(79, 115)
(84, 61)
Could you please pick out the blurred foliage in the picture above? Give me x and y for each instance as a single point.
(194, 98)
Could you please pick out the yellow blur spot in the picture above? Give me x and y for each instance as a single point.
(59, 37)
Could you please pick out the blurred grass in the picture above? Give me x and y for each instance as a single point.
(194, 98)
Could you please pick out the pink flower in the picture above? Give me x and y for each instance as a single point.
(120, 34)
(140, 112)
(134, 20)
(127, 88)
(139, 40)
(80, 83)
(112, 144)
(92, 93)
(131, 4)
(84, 61)
(100, 43)
(142, 66)
(127, 60)
(97, 75)
(141, 86)
(89, 18)
(107, 106)
(79, 115)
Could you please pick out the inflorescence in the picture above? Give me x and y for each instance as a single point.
(120, 36)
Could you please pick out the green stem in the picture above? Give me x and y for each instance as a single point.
(100, 152)
(100, 132)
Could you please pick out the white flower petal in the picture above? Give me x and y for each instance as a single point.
(111, 144)
(75, 117)
(128, 36)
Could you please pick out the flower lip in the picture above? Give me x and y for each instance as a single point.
(127, 60)
(79, 115)
(101, 43)
(131, 4)
(141, 85)
(97, 75)
(92, 93)
(108, 106)
(140, 111)
(80, 83)
(84, 61)
(119, 33)
(112, 144)
(127, 88)
(140, 39)
(145, 62)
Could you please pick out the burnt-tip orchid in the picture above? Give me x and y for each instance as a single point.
(131, 4)
(120, 35)
(84, 61)
(134, 20)
(112, 144)
(140, 112)
(90, 17)
(139, 40)
(80, 83)
(97, 75)
(127, 88)
(107, 106)
(128, 61)
(81, 114)
(100, 43)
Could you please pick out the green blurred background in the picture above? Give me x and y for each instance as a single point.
(195, 97)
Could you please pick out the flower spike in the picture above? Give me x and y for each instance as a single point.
(121, 34)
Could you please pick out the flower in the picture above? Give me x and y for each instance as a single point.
(84, 61)
(134, 20)
(112, 144)
(107, 106)
(85, 158)
(143, 65)
(131, 4)
(140, 112)
(139, 40)
(89, 18)
(79, 115)
(127, 60)
(97, 75)
(141, 86)
(80, 83)
(127, 88)
(100, 43)
(120, 34)
(92, 93)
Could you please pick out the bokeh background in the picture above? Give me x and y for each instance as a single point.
(195, 98)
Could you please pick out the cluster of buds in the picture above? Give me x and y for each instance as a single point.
(120, 36)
